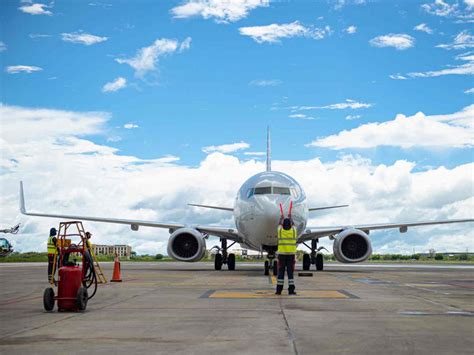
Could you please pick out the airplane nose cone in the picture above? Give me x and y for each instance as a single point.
(268, 211)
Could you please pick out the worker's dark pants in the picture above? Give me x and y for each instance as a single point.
(50, 266)
(286, 262)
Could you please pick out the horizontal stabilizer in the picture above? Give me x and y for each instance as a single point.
(213, 207)
(325, 208)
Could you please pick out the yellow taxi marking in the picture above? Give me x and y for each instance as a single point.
(271, 294)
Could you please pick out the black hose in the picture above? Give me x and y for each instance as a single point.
(90, 277)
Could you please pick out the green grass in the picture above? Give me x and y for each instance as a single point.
(376, 259)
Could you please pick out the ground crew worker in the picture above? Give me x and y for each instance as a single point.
(287, 237)
(52, 251)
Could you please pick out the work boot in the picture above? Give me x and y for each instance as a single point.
(291, 290)
(279, 289)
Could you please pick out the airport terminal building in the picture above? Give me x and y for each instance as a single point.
(123, 251)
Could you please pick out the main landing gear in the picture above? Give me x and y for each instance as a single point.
(271, 265)
(315, 258)
(224, 258)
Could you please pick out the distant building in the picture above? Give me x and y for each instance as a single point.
(123, 251)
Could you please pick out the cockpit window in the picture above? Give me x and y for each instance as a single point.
(263, 190)
(267, 190)
(281, 190)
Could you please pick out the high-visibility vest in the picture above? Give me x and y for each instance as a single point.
(287, 241)
(51, 246)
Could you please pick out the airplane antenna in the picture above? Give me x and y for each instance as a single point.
(269, 158)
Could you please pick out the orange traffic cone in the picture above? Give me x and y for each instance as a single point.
(116, 276)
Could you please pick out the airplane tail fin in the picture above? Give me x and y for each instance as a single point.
(269, 158)
(22, 199)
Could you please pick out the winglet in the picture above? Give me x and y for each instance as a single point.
(269, 158)
(22, 199)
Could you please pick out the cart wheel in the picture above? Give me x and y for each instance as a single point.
(48, 299)
(82, 298)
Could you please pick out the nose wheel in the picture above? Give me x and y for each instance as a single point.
(222, 257)
(270, 265)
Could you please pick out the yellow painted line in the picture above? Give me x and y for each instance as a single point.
(271, 294)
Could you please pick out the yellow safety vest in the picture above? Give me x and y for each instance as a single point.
(287, 241)
(51, 246)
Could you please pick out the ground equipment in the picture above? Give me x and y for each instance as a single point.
(74, 280)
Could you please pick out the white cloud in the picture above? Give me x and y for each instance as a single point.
(423, 27)
(158, 189)
(147, 58)
(353, 117)
(454, 130)
(272, 82)
(451, 10)
(226, 148)
(462, 40)
(274, 32)
(82, 38)
(114, 139)
(3, 46)
(462, 69)
(221, 11)
(351, 30)
(255, 154)
(21, 124)
(130, 126)
(301, 116)
(115, 85)
(186, 44)
(38, 35)
(399, 41)
(397, 77)
(339, 4)
(36, 9)
(348, 104)
(64, 171)
(440, 8)
(15, 69)
(469, 91)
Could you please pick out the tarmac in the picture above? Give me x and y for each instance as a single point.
(170, 307)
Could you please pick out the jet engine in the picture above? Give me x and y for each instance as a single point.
(352, 246)
(186, 244)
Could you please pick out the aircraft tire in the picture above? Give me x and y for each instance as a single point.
(306, 262)
(319, 262)
(231, 262)
(266, 266)
(218, 262)
(275, 267)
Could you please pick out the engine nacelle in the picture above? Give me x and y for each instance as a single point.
(352, 246)
(186, 244)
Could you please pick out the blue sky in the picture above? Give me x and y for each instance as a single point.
(204, 96)
(329, 77)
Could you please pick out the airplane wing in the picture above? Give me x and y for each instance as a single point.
(320, 232)
(223, 232)
(325, 208)
(212, 207)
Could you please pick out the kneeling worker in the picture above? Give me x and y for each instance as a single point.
(287, 237)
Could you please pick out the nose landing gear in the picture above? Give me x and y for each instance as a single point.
(224, 258)
(315, 258)
(271, 264)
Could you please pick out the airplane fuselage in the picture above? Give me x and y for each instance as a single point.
(257, 208)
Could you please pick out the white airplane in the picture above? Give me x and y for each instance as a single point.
(257, 215)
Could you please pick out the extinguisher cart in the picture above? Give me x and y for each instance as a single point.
(73, 280)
